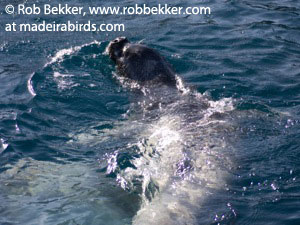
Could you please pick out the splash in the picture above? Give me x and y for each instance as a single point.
(58, 57)
(186, 169)
(179, 160)
(181, 87)
(29, 85)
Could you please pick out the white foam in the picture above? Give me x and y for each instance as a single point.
(3, 145)
(168, 138)
(29, 86)
(64, 81)
(168, 206)
(221, 106)
(181, 87)
(68, 51)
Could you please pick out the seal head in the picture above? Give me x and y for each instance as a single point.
(140, 63)
(115, 48)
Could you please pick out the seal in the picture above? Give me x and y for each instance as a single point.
(140, 63)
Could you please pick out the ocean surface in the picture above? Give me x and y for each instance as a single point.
(79, 145)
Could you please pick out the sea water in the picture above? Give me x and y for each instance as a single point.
(79, 145)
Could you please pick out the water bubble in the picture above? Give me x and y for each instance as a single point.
(274, 187)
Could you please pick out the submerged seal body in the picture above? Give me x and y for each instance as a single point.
(140, 63)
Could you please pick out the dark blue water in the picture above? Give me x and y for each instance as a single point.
(79, 146)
